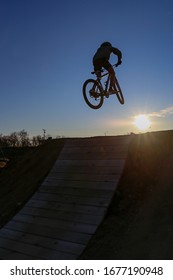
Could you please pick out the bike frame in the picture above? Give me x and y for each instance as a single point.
(104, 89)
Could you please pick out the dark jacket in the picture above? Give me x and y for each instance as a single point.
(104, 52)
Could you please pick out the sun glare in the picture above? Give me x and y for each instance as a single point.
(142, 122)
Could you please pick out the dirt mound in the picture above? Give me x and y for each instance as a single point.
(23, 175)
(139, 222)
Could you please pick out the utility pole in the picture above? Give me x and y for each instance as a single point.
(44, 133)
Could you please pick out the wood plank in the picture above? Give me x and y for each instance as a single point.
(34, 250)
(70, 207)
(7, 254)
(95, 149)
(100, 201)
(63, 215)
(88, 156)
(85, 177)
(66, 235)
(79, 169)
(41, 241)
(88, 164)
(76, 191)
(94, 185)
(55, 223)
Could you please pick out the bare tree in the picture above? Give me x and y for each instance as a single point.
(14, 139)
(37, 140)
(24, 138)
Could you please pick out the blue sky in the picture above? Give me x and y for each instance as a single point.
(46, 49)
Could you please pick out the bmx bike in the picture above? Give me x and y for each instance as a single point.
(95, 91)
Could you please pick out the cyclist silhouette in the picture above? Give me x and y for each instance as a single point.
(101, 59)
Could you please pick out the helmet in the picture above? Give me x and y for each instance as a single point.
(106, 44)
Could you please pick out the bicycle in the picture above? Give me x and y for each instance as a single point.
(94, 91)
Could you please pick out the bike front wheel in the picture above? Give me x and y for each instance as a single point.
(119, 92)
(92, 94)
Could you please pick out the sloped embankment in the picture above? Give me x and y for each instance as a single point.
(24, 174)
(139, 222)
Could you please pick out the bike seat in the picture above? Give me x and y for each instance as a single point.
(97, 72)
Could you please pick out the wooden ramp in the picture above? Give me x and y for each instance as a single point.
(61, 217)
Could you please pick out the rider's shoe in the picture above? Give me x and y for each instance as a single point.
(107, 94)
(112, 91)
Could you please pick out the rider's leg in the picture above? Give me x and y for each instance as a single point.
(109, 68)
(97, 67)
(112, 77)
(98, 73)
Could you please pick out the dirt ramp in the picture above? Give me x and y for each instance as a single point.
(62, 216)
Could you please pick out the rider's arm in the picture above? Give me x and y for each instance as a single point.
(118, 53)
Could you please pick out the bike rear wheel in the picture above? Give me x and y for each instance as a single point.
(119, 92)
(93, 94)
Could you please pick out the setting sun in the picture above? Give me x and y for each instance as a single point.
(142, 122)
